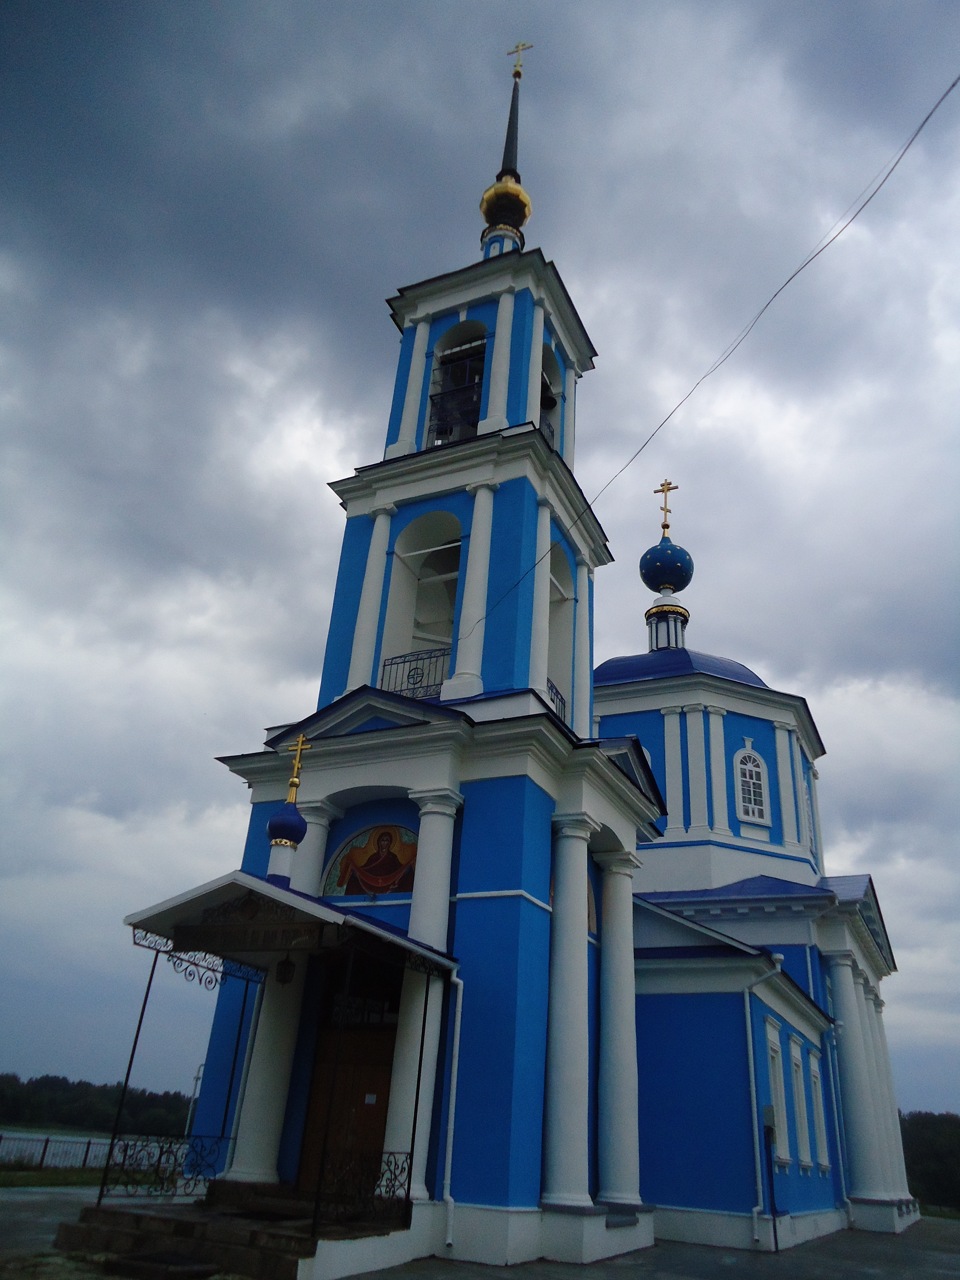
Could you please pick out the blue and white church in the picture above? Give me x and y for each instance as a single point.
(531, 959)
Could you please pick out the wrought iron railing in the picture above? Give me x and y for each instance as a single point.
(454, 414)
(416, 675)
(557, 700)
(150, 1166)
(364, 1186)
(52, 1152)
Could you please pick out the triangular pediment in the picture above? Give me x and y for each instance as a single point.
(364, 710)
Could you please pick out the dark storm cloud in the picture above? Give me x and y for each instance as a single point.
(202, 209)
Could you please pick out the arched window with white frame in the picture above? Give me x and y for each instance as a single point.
(752, 786)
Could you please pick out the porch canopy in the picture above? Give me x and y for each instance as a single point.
(248, 921)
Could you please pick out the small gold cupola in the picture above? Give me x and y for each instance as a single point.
(506, 206)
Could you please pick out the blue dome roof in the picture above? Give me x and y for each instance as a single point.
(673, 662)
(666, 565)
(288, 823)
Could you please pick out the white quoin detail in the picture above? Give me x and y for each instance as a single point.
(536, 365)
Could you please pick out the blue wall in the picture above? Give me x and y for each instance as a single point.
(346, 604)
(503, 945)
(513, 551)
(696, 1146)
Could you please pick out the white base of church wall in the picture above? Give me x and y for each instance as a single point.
(335, 1259)
(482, 1233)
(892, 1216)
(736, 1230)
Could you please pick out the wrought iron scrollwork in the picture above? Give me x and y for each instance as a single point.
(207, 970)
(146, 1166)
(364, 1186)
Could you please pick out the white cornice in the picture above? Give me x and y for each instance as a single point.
(518, 452)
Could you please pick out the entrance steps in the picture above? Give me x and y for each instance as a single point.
(260, 1231)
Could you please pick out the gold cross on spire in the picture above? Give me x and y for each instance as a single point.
(665, 488)
(298, 748)
(518, 65)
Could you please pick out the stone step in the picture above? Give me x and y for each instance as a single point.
(230, 1243)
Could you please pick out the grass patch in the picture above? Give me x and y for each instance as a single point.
(50, 1177)
(938, 1211)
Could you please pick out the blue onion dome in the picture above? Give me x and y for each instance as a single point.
(288, 823)
(666, 567)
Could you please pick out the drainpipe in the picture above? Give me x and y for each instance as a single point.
(757, 1209)
(451, 1111)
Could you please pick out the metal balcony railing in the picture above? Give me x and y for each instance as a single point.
(416, 675)
(557, 700)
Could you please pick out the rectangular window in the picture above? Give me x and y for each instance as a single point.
(819, 1113)
(777, 1092)
(800, 1101)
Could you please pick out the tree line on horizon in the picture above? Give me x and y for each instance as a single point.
(931, 1152)
(78, 1104)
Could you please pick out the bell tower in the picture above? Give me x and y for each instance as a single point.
(468, 557)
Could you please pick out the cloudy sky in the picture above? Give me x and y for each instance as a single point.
(202, 208)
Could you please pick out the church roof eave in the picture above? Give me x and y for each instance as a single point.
(492, 276)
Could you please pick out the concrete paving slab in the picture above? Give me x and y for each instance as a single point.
(29, 1216)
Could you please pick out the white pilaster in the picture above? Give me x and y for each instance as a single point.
(467, 679)
(413, 396)
(368, 614)
(863, 1153)
(718, 771)
(673, 770)
(815, 805)
(430, 908)
(569, 416)
(264, 1100)
(307, 871)
(618, 1104)
(540, 629)
(582, 674)
(788, 809)
(536, 365)
(805, 834)
(696, 768)
(496, 419)
(565, 1164)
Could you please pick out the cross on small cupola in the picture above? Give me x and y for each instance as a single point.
(665, 488)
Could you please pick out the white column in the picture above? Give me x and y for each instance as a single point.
(430, 908)
(863, 1154)
(618, 1104)
(368, 612)
(307, 870)
(788, 808)
(540, 629)
(565, 1166)
(901, 1188)
(878, 1087)
(264, 1100)
(413, 396)
(582, 676)
(536, 365)
(429, 917)
(467, 679)
(673, 768)
(496, 419)
(718, 771)
(569, 416)
(696, 769)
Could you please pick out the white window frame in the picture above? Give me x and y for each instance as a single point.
(800, 1103)
(747, 811)
(775, 1068)
(819, 1112)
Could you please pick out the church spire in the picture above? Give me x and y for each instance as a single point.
(506, 206)
(666, 568)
